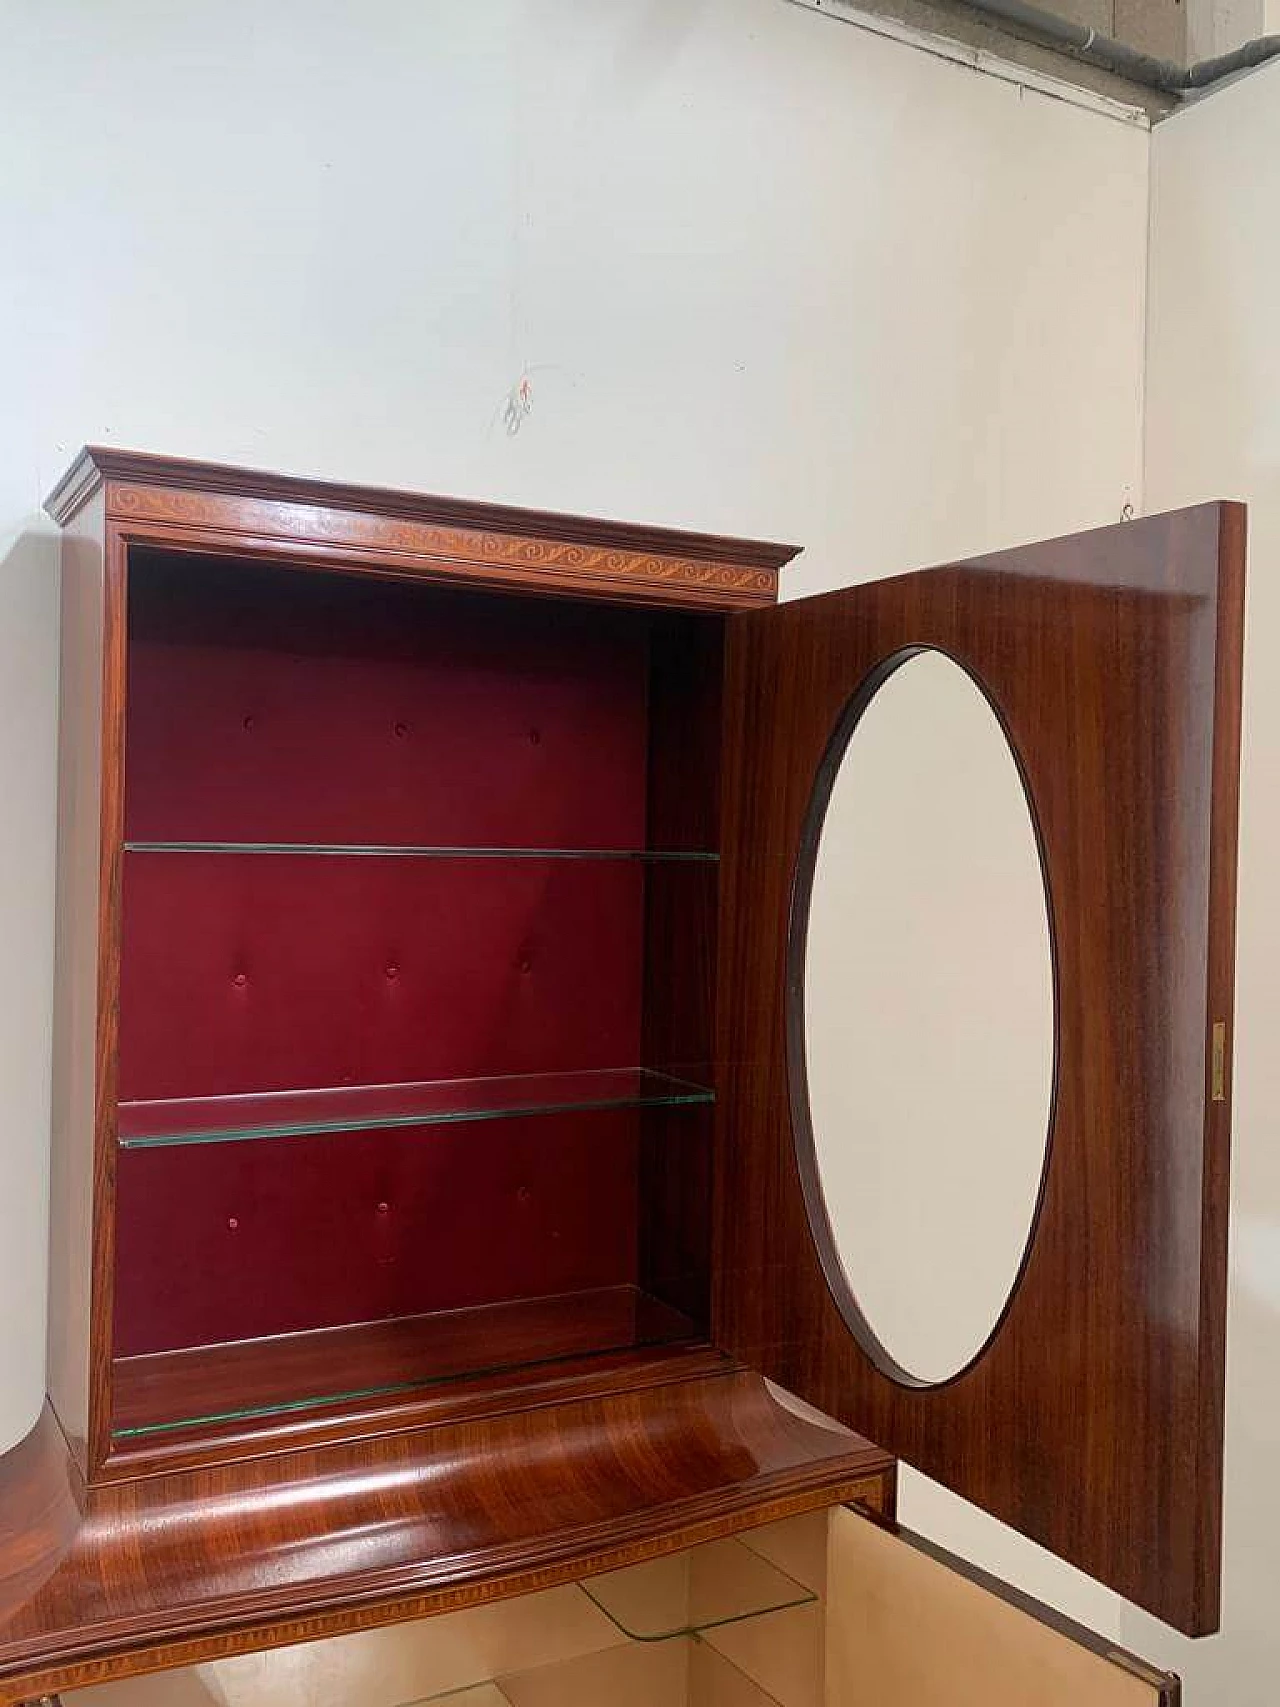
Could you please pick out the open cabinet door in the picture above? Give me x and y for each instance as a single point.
(1091, 1419)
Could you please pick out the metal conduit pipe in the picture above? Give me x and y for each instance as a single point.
(1163, 74)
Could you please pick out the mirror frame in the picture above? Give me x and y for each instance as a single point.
(806, 1153)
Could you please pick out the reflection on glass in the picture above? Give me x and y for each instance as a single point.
(718, 1583)
(683, 1672)
(362, 1108)
(396, 850)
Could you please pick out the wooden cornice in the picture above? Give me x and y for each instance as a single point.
(192, 505)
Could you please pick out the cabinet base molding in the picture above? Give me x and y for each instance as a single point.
(174, 1568)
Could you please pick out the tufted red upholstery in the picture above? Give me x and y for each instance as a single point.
(306, 707)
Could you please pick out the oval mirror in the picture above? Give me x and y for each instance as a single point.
(925, 1058)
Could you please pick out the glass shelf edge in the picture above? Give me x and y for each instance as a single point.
(391, 850)
(784, 1595)
(318, 1403)
(504, 1689)
(669, 1092)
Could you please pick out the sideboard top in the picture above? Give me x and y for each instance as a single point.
(169, 496)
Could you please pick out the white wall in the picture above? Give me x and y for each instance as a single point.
(1213, 431)
(769, 274)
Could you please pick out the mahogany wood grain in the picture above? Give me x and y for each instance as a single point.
(172, 1569)
(1092, 1422)
(87, 978)
(107, 1039)
(239, 1536)
(115, 504)
(75, 1014)
(214, 508)
(1220, 980)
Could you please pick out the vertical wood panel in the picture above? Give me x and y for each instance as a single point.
(76, 970)
(1092, 1421)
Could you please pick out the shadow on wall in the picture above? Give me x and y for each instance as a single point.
(28, 754)
(1244, 1670)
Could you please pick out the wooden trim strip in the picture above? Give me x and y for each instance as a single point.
(246, 510)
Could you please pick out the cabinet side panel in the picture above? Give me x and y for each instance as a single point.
(76, 970)
(905, 1623)
(680, 956)
(1228, 707)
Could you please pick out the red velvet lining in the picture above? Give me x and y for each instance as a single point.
(233, 1241)
(264, 972)
(283, 706)
(280, 706)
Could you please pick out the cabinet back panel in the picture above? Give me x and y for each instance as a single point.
(268, 705)
(265, 972)
(278, 1235)
(273, 705)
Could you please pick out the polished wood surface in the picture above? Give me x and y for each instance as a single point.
(174, 1568)
(76, 991)
(210, 507)
(116, 506)
(107, 1038)
(87, 977)
(165, 1549)
(1092, 1422)
(1095, 1421)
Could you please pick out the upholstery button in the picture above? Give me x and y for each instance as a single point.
(384, 1209)
(248, 725)
(535, 737)
(392, 970)
(233, 1224)
(402, 729)
(240, 980)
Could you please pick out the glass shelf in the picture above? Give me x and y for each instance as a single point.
(363, 1108)
(389, 850)
(290, 1375)
(682, 1672)
(719, 1583)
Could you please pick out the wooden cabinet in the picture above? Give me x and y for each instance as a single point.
(430, 1186)
(826, 1610)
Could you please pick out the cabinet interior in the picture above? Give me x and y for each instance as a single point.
(823, 1610)
(417, 958)
(734, 1623)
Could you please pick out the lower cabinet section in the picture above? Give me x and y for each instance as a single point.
(908, 1623)
(824, 1610)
